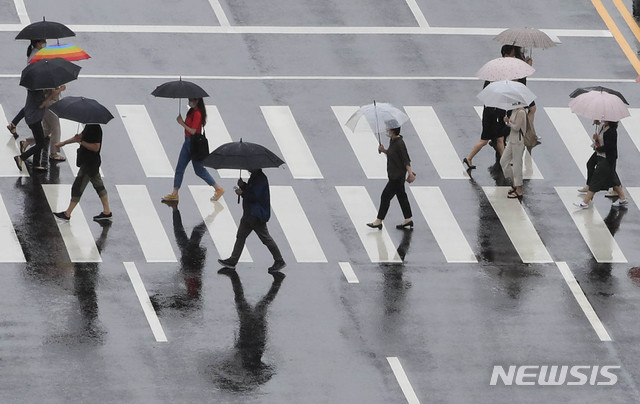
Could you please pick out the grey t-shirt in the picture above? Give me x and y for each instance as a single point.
(32, 111)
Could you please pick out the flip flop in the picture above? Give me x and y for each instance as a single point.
(57, 157)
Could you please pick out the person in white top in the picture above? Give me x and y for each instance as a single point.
(511, 160)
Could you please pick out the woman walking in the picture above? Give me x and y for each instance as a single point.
(194, 123)
(511, 160)
(604, 175)
(50, 126)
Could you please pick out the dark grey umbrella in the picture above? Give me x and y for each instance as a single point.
(179, 89)
(80, 109)
(48, 73)
(242, 155)
(45, 30)
(583, 90)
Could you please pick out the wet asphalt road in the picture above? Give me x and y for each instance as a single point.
(75, 332)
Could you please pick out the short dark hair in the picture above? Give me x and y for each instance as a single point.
(395, 131)
(506, 50)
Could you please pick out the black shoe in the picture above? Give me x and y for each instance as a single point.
(403, 226)
(469, 166)
(226, 271)
(277, 266)
(23, 146)
(18, 161)
(278, 276)
(227, 263)
(62, 215)
(375, 226)
(102, 216)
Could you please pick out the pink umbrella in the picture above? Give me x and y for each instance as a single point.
(505, 68)
(599, 105)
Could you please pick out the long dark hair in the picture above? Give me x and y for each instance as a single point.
(32, 46)
(203, 111)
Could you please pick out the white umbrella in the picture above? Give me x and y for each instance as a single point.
(599, 105)
(381, 116)
(505, 68)
(506, 95)
(525, 37)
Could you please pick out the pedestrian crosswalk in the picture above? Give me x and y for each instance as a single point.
(289, 213)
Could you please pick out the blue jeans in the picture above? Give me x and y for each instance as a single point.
(183, 161)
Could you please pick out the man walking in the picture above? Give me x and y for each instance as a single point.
(256, 210)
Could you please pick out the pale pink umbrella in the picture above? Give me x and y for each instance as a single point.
(599, 105)
(505, 68)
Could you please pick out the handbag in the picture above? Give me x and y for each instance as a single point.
(199, 146)
(530, 136)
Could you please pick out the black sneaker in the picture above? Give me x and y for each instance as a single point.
(277, 266)
(227, 263)
(102, 216)
(62, 215)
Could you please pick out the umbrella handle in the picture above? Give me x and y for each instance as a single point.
(239, 177)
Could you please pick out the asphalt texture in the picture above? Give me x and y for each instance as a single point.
(76, 332)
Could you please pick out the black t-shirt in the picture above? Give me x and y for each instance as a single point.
(91, 133)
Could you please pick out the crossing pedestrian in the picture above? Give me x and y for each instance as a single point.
(195, 121)
(89, 161)
(51, 128)
(511, 160)
(591, 166)
(398, 166)
(604, 174)
(256, 211)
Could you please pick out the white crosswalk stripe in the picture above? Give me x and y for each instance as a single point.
(361, 210)
(146, 223)
(9, 149)
(295, 225)
(443, 224)
(632, 126)
(573, 134)
(217, 135)
(145, 141)
(436, 142)
(518, 226)
(75, 233)
(592, 228)
(11, 250)
(634, 193)
(294, 148)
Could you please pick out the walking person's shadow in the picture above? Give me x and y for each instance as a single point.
(243, 369)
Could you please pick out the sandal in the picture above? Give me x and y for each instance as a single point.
(514, 196)
(57, 157)
(12, 128)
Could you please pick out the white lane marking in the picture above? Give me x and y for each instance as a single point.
(145, 302)
(417, 13)
(361, 211)
(364, 143)
(518, 226)
(443, 224)
(219, 221)
(295, 225)
(217, 134)
(582, 300)
(632, 126)
(75, 233)
(21, 9)
(68, 129)
(591, 226)
(436, 142)
(348, 272)
(634, 193)
(573, 134)
(403, 380)
(291, 142)
(307, 30)
(145, 140)
(219, 11)
(530, 169)
(9, 149)
(146, 223)
(11, 250)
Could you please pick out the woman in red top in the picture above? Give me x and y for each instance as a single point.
(195, 121)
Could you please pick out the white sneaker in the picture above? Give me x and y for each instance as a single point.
(620, 202)
(583, 190)
(611, 194)
(581, 205)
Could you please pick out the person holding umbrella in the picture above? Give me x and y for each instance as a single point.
(398, 165)
(195, 121)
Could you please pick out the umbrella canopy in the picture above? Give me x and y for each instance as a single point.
(381, 116)
(525, 37)
(80, 109)
(583, 90)
(45, 30)
(599, 105)
(505, 68)
(242, 155)
(506, 95)
(66, 52)
(48, 73)
(179, 89)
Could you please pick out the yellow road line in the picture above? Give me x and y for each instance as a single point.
(631, 22)
(615, 31)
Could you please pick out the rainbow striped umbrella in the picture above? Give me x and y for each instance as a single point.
(68, 52)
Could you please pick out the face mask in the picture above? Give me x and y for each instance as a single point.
(193, 104)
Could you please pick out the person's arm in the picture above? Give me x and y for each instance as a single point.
(196, 122)
(52, 95)
(407, 163)
(94, 147)
(518, 122)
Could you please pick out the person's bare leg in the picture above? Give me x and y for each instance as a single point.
(478, 146)
(105, 204)
(587, 199)
(618, 190)
(500, 145)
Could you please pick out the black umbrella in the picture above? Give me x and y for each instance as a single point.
(242, 155)
(80, 109)
(45, 30)
(179, 89)
(583, 90)
(49, 73)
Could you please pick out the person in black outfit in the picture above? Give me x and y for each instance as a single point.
(89, 162)
(256, 210)
(398, 165)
